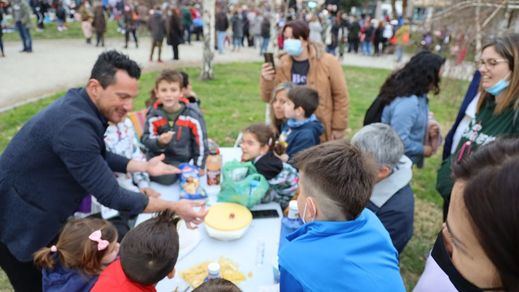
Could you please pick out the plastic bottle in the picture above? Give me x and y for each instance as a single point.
(213, 166)
(290, 223)
(213, 271)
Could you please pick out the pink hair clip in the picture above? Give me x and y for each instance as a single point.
(101, 243)
(53, 248)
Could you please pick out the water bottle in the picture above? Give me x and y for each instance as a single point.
(213, 271)
(290, 223)
(214, 168)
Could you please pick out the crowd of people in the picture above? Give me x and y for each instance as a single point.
(354, 196)
(236, 25)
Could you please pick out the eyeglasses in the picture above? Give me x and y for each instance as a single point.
(490, 63)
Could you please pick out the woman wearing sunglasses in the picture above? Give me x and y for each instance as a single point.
(497, 109)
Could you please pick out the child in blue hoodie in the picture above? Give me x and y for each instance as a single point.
(84, 248)
(342, 246)
(304, 128)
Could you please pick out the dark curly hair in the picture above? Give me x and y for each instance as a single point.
(419, 76)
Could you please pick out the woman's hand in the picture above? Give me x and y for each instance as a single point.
(267, 72)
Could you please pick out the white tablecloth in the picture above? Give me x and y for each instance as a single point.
(255, 253)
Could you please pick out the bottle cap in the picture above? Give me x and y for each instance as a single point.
(213, 268)
(293, 210)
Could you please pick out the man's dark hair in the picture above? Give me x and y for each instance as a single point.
(107, 65)
(304, 97)
(491, 200)
(217, 285)
(150, 251)
(340, 172)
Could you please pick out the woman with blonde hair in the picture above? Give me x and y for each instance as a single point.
(276, 109)
(497, 109)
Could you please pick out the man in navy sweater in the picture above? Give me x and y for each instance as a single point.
(59, 156)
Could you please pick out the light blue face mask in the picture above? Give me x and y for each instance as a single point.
(293, 47)
(497, 88)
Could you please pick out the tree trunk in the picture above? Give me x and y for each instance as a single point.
(477, 20)
(393, 9)
(208, 55)
(405, 13)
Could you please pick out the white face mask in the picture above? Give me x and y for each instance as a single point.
(304, 214)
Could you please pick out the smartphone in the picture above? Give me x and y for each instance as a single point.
(263, 214)
(269, 58)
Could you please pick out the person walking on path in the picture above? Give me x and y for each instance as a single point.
(157, 27)
(131, 21)
(22, 17)
(175, 32)
(187, 22)
(237, 30)
(86, 15)
(1, 29)
(221, 26)
(99, 24)
(59, 157)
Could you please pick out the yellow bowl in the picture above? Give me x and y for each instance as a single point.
(227, 221)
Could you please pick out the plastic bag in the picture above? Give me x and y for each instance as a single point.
(242, 184)
(190, 183)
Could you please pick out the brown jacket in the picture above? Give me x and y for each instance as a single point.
(326, 76)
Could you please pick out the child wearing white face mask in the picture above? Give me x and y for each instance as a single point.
(342, 246)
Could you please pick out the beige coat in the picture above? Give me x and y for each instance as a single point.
(326, 76)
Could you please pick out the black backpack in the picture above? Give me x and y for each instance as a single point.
(374, 112)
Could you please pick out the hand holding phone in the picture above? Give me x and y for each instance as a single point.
(269, 58)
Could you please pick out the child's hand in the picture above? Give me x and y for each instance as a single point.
(165, 138)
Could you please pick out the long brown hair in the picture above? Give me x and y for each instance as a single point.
(507, 47)
(273, 120)
(75, 250)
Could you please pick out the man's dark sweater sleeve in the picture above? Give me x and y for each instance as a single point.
(78, 146)
(117, 162)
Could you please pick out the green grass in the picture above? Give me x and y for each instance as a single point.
(231, 102)
(73, 32)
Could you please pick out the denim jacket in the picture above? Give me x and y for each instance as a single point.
(408, 116)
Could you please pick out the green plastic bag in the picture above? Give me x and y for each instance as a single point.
(242, 184)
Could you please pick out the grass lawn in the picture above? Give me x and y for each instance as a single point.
(231, 102)
(73, 32)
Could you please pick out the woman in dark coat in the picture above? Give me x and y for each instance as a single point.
(157, 27)
(175, 32)
(99, 25)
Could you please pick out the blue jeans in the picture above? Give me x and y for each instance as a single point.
(220, 40)
(25, 34)
(399, 52)
(366, 47)
(264, 45)
(236, 41)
